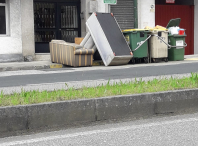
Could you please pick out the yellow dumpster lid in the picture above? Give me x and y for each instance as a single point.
(128, 30)
(159, 29)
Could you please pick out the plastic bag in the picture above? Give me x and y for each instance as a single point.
(173, 30)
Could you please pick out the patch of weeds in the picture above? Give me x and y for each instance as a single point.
(110, 89)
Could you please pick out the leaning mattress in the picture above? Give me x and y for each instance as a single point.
(109, 39)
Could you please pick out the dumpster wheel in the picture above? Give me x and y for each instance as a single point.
(133, 60)
(166, 59)
(154, 60)
(146, 60)
(157, 60)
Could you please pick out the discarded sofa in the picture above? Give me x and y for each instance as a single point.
(72, 54)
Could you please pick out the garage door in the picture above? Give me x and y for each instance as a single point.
(124, 13)
(166, 12)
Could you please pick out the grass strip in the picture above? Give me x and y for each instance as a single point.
(136, 87)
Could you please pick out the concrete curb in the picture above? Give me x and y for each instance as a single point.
(19, 119)
(16, 67)
(29, 67)
(56, 66)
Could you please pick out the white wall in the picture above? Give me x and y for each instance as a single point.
(146, 15)
(101, 7)
(84, 4)
(12, 44)
(196, 28)
(27, 25)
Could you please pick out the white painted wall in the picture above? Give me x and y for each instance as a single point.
(196, 28)
(101, 7)
(12, 44)
(146, 15)
(84, 4)
(27, 26)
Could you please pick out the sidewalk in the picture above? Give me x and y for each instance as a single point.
(38, 65)
(191, 57)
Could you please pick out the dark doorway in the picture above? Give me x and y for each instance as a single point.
(54, 19)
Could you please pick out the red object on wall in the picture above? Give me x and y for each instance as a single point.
(170, 1)
(164, 13)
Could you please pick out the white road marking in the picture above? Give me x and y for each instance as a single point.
(192, 59)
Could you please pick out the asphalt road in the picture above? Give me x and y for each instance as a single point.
(95, 73)
(56, 79)
(181, 130)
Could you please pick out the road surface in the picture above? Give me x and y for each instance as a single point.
(181, 130)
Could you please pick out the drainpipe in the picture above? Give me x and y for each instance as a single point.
(135, 14)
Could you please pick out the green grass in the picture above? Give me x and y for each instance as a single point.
(135, 87)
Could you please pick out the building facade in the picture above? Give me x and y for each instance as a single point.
(27, 26)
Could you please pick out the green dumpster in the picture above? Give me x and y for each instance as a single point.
(137, 40)
(177, 42)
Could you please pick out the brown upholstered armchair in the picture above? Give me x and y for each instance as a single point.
(72, 54)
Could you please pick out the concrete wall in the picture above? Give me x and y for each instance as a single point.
(84, 13)
(19, 43)
(11, 45)
(196, 28)
(85, 4)
(146, 14)
(102, 7)
(27, 26)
